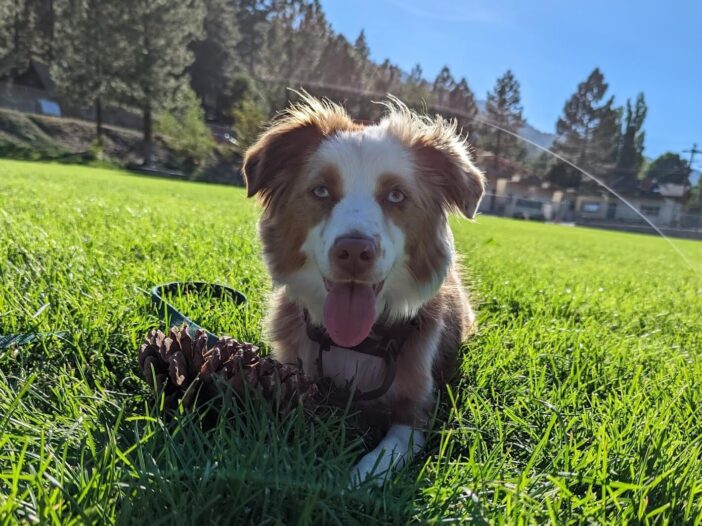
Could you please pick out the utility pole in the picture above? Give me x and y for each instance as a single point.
(694, 151)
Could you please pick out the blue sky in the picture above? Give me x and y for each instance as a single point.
(551, 45)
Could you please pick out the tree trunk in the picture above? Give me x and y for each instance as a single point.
(498, 147)
(148, 137)
(98, 120)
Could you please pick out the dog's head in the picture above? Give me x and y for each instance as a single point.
(355, 217)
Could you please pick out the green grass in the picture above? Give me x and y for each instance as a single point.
(578, 401)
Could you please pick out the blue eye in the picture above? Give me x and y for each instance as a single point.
(320, 192)
(396, 197)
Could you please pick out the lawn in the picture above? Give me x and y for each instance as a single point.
(578, 401)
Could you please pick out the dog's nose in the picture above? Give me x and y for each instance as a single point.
(353, 255)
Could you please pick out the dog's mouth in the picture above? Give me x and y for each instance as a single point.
(377, 287)
(349, 310)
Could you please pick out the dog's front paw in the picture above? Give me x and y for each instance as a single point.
(370, 468)
(392, 453)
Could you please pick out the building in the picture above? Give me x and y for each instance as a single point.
(31, 91)
(662, 204)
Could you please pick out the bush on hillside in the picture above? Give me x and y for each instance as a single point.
(182, 128)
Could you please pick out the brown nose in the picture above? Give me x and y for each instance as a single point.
(353, 256)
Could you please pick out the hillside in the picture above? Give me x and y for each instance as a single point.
(34, 136)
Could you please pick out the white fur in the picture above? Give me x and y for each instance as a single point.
(399, 446)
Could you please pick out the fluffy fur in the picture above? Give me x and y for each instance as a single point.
(321, 176)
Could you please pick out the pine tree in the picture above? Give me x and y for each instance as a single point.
(415, 91)
(588, 131)
(253, 26)
(364, 69)
(443, 85)
(631, 145)
(7, 15)
(89, 53)
(216, 60)
(361, 46)
(20, 37)
(505, 111)
(297, 39)
(388, 78)
(462, 101)
(160, 33)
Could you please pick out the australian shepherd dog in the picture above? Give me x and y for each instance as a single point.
(355, 235)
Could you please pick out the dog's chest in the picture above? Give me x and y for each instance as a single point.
(342, 366)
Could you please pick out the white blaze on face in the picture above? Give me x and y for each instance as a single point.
(360, 158)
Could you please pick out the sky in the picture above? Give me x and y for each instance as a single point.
(551, 46)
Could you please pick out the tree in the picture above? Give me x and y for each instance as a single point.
(505, 111)
(20, 34)
(296, 39)
(669, 168)
(563, 175)
(360, 46)
(414, 91)
(462, 101)
(160, 32)
(89, 53)
(364, 66)
(215, 58)
(181, 124)
(443, 85)
(588, 131)
(631, 144)
(252, 17)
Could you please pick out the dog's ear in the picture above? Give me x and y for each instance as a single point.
(278, 154)
(447, 165)
(281, 152)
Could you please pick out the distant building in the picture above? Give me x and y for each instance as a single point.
(662, 204)
(31, 91)
(526, 196)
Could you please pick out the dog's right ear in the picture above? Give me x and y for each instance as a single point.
(280, 153)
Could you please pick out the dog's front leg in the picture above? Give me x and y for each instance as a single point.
(400, 444)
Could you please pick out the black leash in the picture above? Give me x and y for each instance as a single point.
(173, 317)
(168, 313)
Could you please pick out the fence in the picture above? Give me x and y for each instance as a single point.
(31, 100)
(682, 225)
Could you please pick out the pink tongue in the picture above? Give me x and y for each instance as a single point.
(349, 313)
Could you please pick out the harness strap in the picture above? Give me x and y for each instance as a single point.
(385, 341)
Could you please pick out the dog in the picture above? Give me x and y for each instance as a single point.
(355, 236)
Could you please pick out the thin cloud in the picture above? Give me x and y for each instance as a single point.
(450, 13)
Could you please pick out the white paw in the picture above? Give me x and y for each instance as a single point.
(374, 467)
(392, 453)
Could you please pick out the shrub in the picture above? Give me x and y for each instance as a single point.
(249, 117)
(182, 128)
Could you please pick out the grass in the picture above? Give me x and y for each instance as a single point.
(578, 401)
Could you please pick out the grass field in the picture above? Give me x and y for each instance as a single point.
(580, 399)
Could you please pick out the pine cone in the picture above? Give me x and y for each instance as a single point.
(184, 369)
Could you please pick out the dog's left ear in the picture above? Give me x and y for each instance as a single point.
(448, 166)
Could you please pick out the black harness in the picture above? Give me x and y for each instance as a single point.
(384, 341)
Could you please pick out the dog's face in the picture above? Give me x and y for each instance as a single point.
(355, 217)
